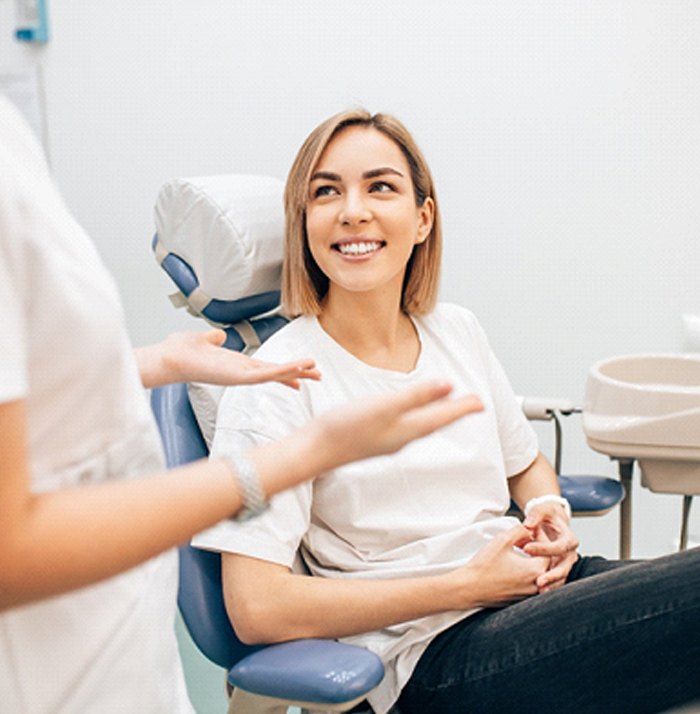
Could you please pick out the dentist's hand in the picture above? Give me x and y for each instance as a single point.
(385, 423)
(199, 357)
(358, 430)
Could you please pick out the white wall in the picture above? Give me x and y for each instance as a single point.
(564, 138)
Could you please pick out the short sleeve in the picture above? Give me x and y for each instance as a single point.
(517, 437)
(249, 416)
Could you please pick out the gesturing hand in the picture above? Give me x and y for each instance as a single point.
(383, 424)
(198, 357)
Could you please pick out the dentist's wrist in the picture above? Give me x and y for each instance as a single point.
(248, 484)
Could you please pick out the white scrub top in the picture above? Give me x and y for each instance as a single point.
(110, 647)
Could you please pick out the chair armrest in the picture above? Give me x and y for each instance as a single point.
(312, 670)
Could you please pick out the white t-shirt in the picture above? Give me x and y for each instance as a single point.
(426, 509)
(109, 647)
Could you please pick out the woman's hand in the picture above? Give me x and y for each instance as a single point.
(547, 522)
(501, 573)
(199, 357)
(551, 537)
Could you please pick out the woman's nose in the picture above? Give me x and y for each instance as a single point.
(354, 209)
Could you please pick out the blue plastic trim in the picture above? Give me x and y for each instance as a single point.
(321, 671)
(38, 32)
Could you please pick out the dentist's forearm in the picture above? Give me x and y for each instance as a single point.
(59, 541)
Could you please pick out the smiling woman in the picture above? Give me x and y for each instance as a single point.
(414, 555)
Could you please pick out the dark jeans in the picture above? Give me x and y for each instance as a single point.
(619, 638)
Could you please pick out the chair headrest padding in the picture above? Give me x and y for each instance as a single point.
(228, 229)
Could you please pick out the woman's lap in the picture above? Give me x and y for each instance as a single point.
(620, 637)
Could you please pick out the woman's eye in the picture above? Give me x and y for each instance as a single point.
(381, 187)
(321, 191)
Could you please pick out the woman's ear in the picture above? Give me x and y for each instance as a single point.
(426, 212)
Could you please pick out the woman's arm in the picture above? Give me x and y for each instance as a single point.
(58, 541)
(198, 357)
(548, 521)
(266, 603)
(537, 479)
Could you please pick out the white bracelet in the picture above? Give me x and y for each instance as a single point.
(248, 485)
(547, 498)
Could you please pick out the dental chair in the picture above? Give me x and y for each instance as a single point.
(312, 674)
(220, 241)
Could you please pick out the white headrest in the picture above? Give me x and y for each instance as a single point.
(228, 228)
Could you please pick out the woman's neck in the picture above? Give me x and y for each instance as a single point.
(373, 329)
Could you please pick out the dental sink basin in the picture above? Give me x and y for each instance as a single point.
(647, 407)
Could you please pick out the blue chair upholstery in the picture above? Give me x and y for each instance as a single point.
(591, 495)
(319, 672)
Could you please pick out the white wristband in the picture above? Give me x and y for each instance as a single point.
(547, 498)
(248, 485)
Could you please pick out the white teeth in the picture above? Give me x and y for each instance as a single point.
(357, 248)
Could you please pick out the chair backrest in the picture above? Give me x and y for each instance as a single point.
(219, 238)
(200, 597)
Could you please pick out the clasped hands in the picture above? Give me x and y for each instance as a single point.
(531, 558)
(551, 537)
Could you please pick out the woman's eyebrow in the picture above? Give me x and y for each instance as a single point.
(372, 173)
(326, 175)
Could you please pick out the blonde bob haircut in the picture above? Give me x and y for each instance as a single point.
(303, 283)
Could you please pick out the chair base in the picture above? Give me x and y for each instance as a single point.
(242, 702)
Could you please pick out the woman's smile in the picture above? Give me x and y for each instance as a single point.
(358, 247)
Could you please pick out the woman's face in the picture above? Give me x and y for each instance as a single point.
(362, 221)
